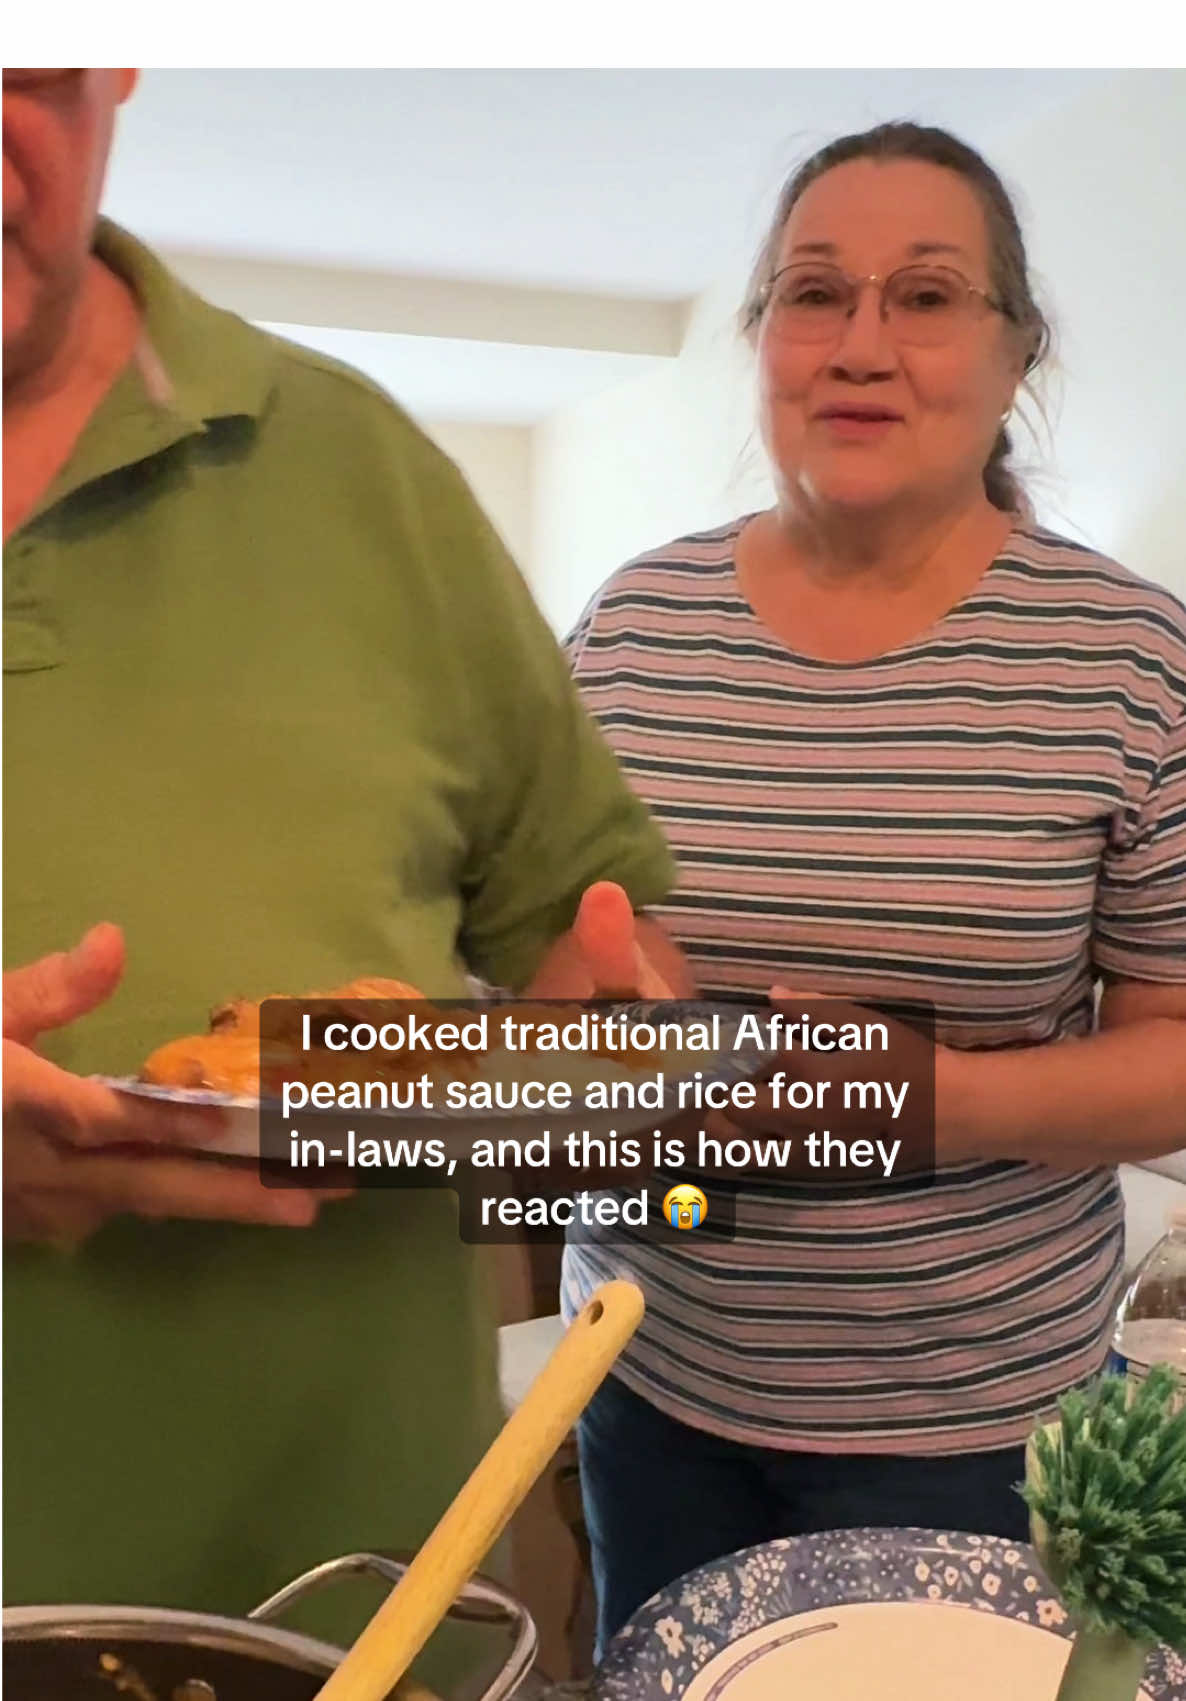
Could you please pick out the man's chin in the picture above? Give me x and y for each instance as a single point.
(18, 354)
(29, 334)
(20, 305)
(38, 303)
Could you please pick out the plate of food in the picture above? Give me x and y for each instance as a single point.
(905, 1615)
(380, 1049)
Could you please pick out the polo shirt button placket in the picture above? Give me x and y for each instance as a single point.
(31, 641)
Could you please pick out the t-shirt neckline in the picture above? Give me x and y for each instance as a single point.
(897, 652)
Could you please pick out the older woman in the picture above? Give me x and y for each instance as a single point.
(905, 744)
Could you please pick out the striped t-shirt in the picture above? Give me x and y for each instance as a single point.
(985, 818)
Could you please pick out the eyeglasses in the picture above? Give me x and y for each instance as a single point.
(923, 306)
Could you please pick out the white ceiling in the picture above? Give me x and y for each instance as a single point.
(481, 383)
(648, 183)
(624, 181)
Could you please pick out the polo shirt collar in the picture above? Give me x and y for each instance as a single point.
(193, 366)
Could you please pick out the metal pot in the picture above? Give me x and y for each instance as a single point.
(97, 1653)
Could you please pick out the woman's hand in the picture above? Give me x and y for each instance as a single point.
(67, 1163)
(1112, 1097)
(881, 1091)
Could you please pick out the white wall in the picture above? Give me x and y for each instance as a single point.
(497, 462)
(626, 470)
(1100, 186)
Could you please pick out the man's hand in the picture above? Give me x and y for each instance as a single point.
(67, 1167)
(612, 953)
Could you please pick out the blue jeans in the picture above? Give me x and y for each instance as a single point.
(662, 1498)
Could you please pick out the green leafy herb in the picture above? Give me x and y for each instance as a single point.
(1110, 1494)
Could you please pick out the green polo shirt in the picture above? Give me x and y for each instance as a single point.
(278, 703)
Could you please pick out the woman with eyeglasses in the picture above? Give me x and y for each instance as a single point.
(908, 747)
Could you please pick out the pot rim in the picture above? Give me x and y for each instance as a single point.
(197, 1629)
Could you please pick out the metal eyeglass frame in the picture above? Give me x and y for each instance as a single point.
(766, 294)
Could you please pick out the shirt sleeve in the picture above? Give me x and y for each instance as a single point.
(1140, 916)
(575, 641)
(552, 812)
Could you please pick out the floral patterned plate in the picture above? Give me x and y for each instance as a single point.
(918, 1614)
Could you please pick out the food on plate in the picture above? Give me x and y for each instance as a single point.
(232, 1058)
(242, 1015)
(302, 1040)
(226, 1061)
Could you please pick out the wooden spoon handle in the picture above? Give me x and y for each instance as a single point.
(487, 1501)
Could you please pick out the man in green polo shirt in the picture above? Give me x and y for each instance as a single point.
(277, 705)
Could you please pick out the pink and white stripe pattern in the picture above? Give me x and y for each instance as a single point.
(987, 818)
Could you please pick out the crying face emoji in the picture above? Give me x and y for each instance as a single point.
(685, 1206)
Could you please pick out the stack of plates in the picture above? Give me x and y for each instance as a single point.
(858, 1615)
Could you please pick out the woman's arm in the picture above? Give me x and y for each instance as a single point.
(1117, 1096)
